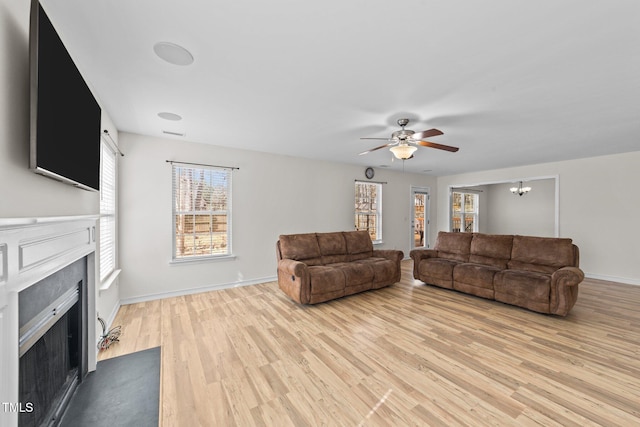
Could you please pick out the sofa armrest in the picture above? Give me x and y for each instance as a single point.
(390, 254)
(293, 280)
(393, 255)
(564, 289)
(568, 276)
(418, 255)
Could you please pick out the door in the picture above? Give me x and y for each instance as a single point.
(419, 217)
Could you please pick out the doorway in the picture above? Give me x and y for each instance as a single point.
(500, 211)
(419, 217)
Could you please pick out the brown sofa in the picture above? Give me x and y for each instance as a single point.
(318, 267)
(537, 273)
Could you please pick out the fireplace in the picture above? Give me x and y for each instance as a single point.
(47, 316)
(53, 357)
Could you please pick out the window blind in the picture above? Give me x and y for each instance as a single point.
(201, 212)
(107, 211)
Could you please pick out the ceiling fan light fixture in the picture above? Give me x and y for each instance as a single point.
(403, 151)
(401, 139)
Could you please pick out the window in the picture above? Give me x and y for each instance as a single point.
(201, 212)
(464, 212)
(107, 257)
(368, 206)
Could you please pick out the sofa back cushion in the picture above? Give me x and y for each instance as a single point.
(301, 247)
(333, 247)
(359, 245)
(455, 246)
(491, 249)
(542, 254)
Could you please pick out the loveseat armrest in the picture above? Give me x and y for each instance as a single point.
(293, 280)
(564, 289)
(418, 255)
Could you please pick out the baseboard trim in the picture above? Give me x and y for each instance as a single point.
(112, 316)
(162, 295)
(612, 279)
(191, 291)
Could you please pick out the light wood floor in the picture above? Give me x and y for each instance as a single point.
(409, 354)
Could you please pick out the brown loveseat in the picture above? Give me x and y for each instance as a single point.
(318, 267)
(537, 273)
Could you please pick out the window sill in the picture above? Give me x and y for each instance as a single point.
(201, 259)
(106, 283)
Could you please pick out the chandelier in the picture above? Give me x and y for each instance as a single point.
(403, 151)
(520, 190)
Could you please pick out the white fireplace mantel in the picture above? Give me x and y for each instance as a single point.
(30, 250)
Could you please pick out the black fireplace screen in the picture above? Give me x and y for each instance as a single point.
(49, 369)
(53, 337)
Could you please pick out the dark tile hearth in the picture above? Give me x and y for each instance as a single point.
(123, 391)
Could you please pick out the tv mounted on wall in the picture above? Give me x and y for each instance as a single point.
(65, 116)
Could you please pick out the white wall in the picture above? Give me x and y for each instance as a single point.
(272, 195)
(22, 192)
(596, 210)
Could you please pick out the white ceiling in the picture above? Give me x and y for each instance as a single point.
(510, 82)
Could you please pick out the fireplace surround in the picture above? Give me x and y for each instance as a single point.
(31, 251)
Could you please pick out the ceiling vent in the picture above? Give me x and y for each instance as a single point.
(168, 132)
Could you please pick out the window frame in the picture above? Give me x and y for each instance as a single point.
(108, 220)
(463, 213)
(175, 257)
(377, 213)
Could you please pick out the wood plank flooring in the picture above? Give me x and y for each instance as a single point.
(406, 355)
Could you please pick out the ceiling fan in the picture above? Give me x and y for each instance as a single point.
(402, 140)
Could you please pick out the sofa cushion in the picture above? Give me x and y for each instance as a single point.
(384, 270)
(355, 273)
(333, 247)
(475, 279)
(541, 254)
(437, 271)
(475, 274)
(528, 289)
(455, 246)
(301, 247)
(359, 245)
(491, 249)
(326, 279)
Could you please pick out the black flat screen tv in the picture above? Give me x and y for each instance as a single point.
(65, 116)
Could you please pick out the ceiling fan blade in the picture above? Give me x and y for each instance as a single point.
(377, 148)
(427, 134)
(438, 146)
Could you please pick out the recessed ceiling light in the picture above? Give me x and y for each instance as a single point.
(169, 116)
(172, 53)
